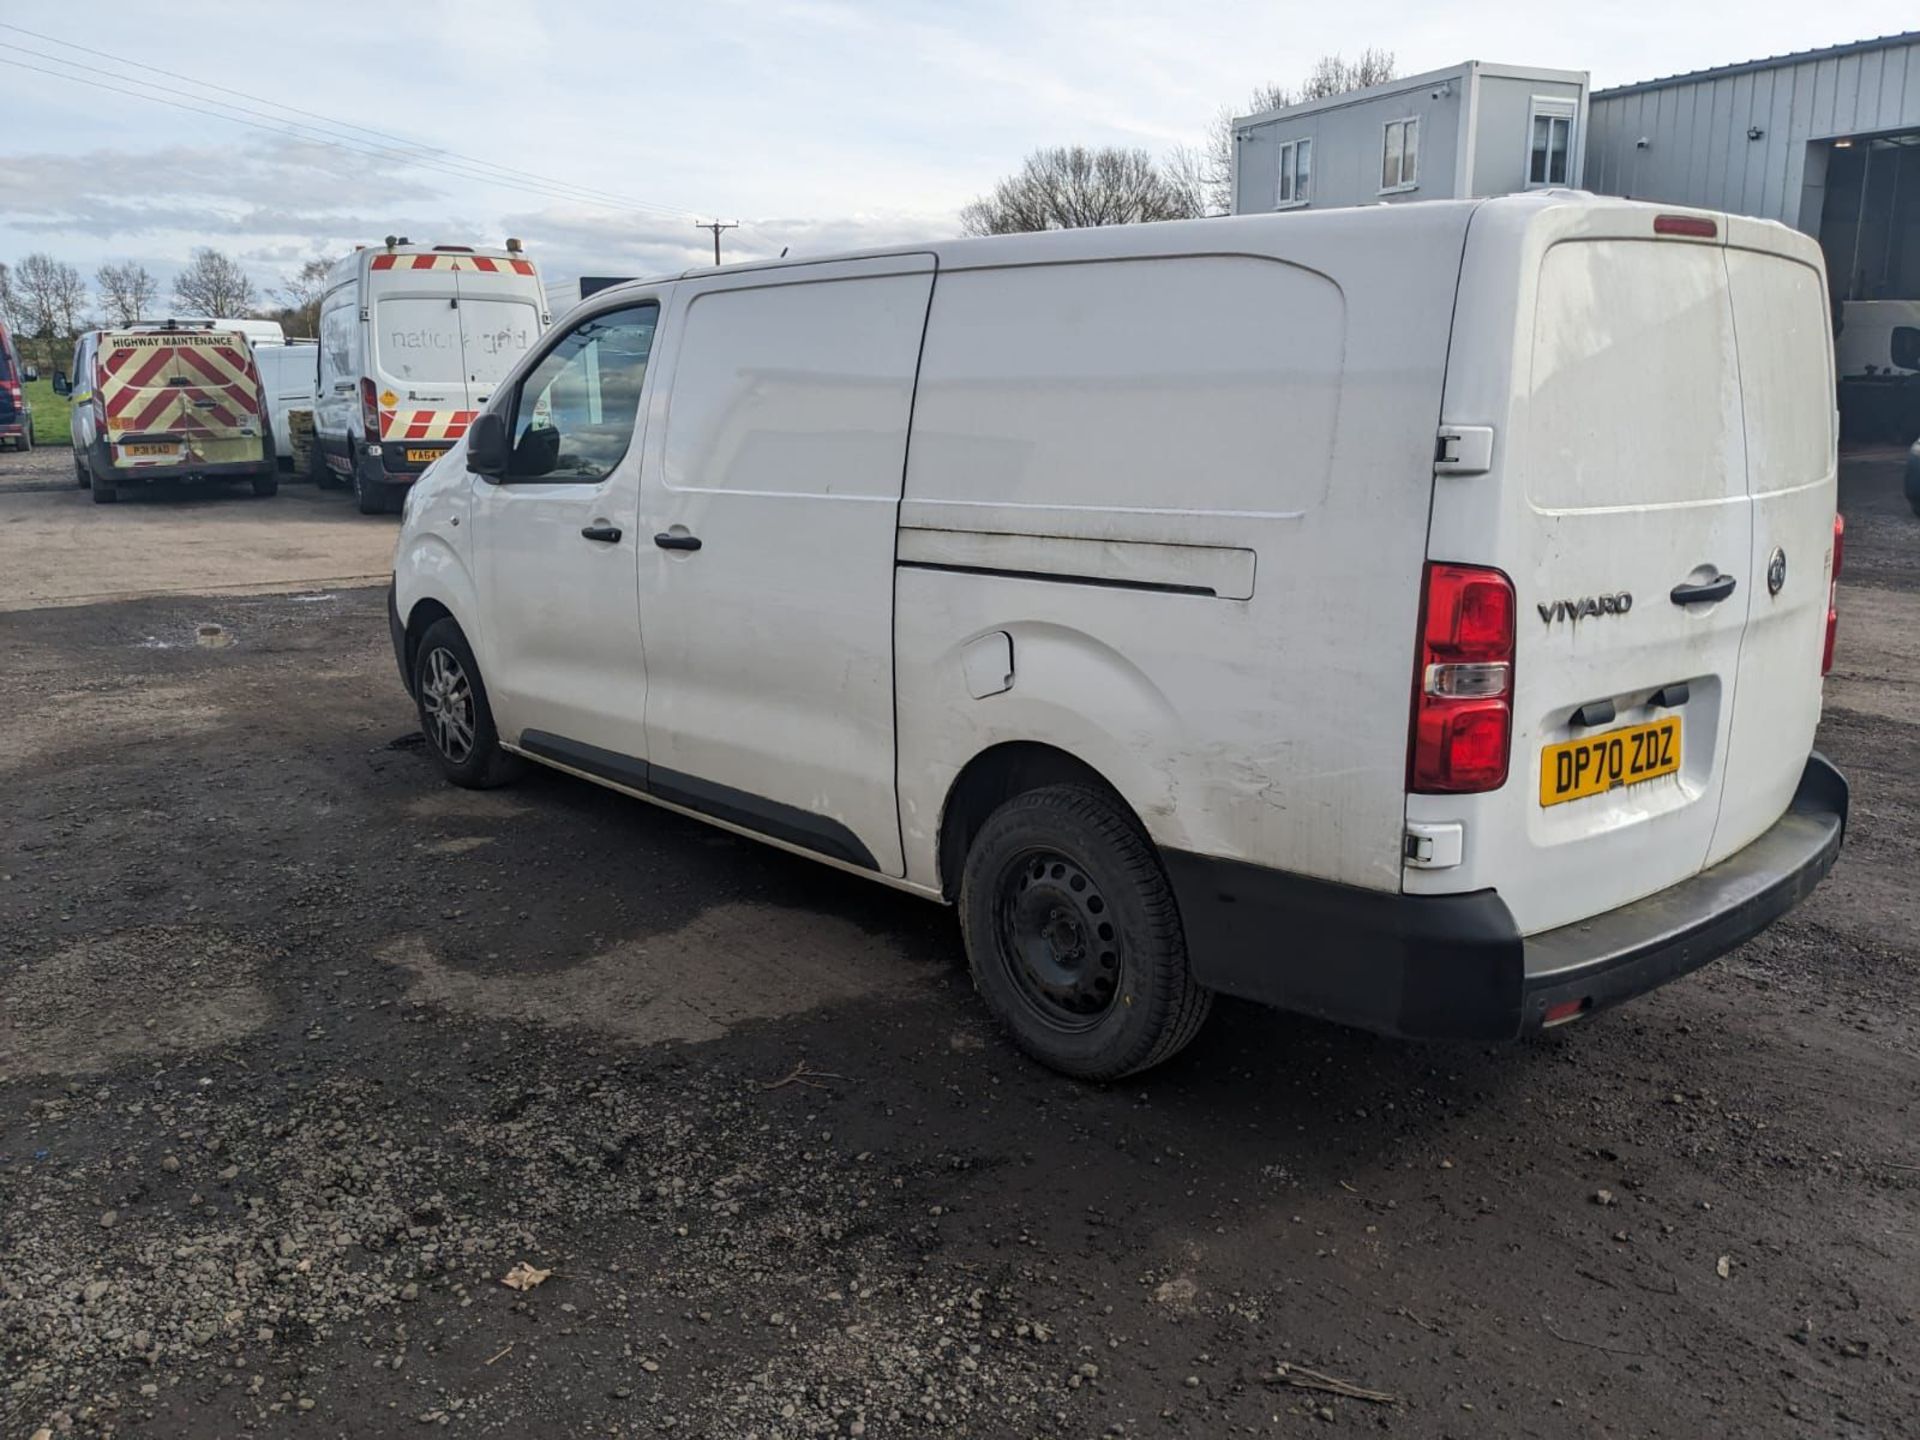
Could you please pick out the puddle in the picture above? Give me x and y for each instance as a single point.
(153, 990)
(734, 963)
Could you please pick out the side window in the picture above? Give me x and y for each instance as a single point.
(337, 319)
(1296, 173)
(1400, 155)
(574, 415)
(1550, 143)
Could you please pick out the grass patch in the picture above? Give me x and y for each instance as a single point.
(51, 413)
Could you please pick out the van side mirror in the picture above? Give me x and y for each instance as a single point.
(487, 445)
(61, 385)
(1906, 347)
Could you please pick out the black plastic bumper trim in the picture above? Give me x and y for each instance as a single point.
(398, 633)
(1456, 966)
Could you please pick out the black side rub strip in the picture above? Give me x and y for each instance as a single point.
(772, 818)
(1106, 582)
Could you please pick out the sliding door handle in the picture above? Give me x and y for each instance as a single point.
(607, 533)
(1718, 588)
(667, 540)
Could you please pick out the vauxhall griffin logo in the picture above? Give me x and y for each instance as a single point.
(1618, 603)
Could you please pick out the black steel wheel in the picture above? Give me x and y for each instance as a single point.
(454, 713)
(1073, 935)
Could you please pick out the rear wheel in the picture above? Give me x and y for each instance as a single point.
(26, 436)
(454, 714)
(80, 476)
(1073, 935)
(317, 467)
(368, 499)
(104, 494)
(265, 485)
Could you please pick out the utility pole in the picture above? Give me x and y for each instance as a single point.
(716, 226)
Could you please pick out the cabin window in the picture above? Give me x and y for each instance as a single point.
(1400, 155)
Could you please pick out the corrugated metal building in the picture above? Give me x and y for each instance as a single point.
(1827, 141)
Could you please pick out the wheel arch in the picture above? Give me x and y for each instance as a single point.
(425, 613)
(995, 776)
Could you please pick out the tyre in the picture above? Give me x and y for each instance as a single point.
(265, 485)
(26, 436)
(1073, 935)
(104, 494)
(367, 499)
(318, 469)
(454, 714)
(80, 476)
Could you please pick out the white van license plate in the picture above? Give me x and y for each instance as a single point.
(423, 457)
(144, 451)
(1575, 769)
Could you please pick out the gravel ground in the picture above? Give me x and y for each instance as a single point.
(302, 1051)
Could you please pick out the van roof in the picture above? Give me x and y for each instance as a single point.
(1213, 235)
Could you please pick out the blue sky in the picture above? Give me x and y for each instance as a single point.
(820, 124)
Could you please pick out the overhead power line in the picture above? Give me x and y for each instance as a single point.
(408, 154)
(330, 120)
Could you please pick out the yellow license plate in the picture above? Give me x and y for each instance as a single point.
(423, 457)
(152, 449)
(1575, 769)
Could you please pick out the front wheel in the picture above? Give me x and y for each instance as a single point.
(454, 714)
(1073, 935)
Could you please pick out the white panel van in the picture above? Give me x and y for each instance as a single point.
(1414, 617)
(414, 340)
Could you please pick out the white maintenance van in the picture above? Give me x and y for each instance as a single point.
(289, 381)
(1415, 615)
(414, 340)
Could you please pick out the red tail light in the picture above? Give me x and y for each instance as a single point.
(1833, 591)
(1463, 688)
(1699, 227)
(370, 409)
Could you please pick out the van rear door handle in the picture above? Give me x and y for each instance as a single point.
(608, 533)
(667, 540)
(1718, 588)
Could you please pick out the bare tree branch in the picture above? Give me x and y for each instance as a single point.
(214, 285)
(127, 292)
(1067, 187)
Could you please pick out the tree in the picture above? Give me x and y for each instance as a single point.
(1069, 186)
(214, 285)
(9, 300)
(126, 291)
(52, 297)
(1211, 171)
(299, 296)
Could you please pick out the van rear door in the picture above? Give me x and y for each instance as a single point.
(1782, 319)
(180, 397)
(1603, 350)
(499, 323)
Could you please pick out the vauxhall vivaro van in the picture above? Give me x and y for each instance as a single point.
(1415, 616)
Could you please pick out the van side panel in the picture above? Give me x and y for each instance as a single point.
(1208, 447)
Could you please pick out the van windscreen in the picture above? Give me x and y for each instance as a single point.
(418, 338)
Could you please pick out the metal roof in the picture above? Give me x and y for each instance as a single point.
(1796, 57)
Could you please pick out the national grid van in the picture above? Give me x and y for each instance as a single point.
(413, 341)
(1411, 615)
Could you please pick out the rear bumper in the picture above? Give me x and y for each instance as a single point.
(1456, 966)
